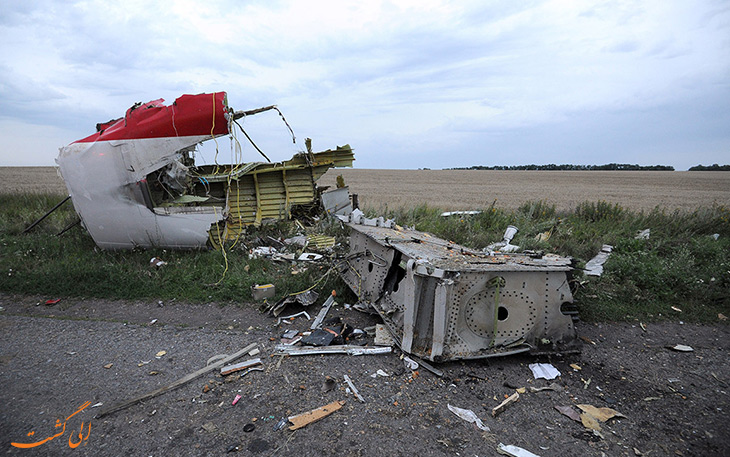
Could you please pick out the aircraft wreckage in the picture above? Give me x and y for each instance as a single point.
(134, 182)
(443, 301)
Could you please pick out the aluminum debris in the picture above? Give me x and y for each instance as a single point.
(442, 301)
(323, 312)
(135, 183)
(353, 389)
(594, 267)
(228, 369)
(337, 349)
(514, 451)
(469, 416)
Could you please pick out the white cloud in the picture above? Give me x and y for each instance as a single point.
(383, 76)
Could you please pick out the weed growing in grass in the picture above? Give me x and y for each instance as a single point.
(680, 265)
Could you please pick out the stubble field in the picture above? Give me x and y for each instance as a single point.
(469, 189)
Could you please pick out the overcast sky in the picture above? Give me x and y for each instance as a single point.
(409, 84)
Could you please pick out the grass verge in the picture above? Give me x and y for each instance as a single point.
(681, 265)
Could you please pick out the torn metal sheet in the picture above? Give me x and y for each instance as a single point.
(443, 301)
(514, 451)
(594, 267)
(337, 202)
(305, 298)
(343, 349)
(135, 182)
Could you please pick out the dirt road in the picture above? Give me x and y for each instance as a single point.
(54, 359)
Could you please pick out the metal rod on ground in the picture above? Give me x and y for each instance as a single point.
(179, 382)
(69, 227)
(46, 215)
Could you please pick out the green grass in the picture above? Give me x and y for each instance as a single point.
(680, 265)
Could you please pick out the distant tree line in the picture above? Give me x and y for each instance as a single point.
(713, 167)
(552, 166)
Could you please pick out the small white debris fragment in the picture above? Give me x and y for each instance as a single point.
(469, 416)
(514, 451)
(157, 262)
(682, 348)
(594, 267)
(544, 370)
(643, 234)
(410, 363)
(379, 373)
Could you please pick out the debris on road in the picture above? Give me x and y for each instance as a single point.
(508, 401)
(469, 416)
(305, 299)
(235, 400)
(544, 370)
(287, 319)
(554, 386)
(339, 349)
(52, 302)
(410, 363)
(328, 384)
(514, 451)
(601, 414)
(569, 411)
(380, 373)
(304, 419)
(353, 389)
(323, 312)
(681, 348)
(228, 369)
(249, 370)
(177, 383)
(383, 337)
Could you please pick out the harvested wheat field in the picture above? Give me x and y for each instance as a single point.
(469, 189)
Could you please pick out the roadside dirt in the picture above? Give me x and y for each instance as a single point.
(53, 359)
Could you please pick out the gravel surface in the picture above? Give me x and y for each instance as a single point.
(54, 359)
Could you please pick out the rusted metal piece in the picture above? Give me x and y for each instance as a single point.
(443, 301)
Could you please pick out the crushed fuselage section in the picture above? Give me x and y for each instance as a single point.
(444, 302)
(134, 183)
